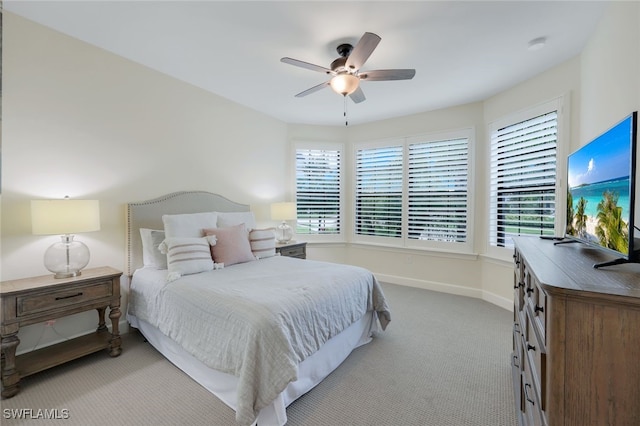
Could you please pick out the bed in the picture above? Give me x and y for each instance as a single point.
(257, 331)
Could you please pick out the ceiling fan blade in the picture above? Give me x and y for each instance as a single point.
(313, 89)
(381, 75)
(306, 65)
(362, 51)
(357, 96)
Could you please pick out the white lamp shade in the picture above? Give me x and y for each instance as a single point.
(49, 217)
(344, 84)
(283, 211)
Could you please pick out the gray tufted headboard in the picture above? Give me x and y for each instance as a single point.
(148, 214)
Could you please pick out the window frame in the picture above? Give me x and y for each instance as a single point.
(404, 241)
(372, 239)
(561, 106)
(329, 146)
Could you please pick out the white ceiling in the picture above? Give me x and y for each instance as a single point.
(463, 51)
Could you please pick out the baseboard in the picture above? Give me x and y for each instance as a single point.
(448, 288)
(493, 298)
(431, 285)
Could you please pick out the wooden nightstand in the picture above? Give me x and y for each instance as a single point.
(33, 300)
(292, 249)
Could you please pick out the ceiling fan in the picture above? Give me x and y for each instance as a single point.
(346, 73)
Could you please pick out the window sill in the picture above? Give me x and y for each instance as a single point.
(450, 254)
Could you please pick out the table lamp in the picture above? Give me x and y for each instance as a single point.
(65, 217)
(283, 212)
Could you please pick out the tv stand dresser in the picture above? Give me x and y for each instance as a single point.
(576, 336)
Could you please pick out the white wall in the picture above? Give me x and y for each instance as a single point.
(82, 122)
(610, 65)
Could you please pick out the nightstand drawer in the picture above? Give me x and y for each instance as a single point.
(297, 251)
(36, 303)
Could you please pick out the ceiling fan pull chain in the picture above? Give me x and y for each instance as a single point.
(346, 121)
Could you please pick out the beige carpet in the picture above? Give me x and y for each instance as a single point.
(444, 360)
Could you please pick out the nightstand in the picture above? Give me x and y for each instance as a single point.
(33, 300)
(292, 249)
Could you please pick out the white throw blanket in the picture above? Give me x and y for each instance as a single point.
(259, 320)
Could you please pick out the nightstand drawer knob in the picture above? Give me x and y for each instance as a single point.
(69, 296)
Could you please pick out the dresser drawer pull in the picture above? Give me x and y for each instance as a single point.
(516, 327)
(538, 309)
(69, 297)
(516, 361)
(529, 290)
(526, 393)
(530, 347)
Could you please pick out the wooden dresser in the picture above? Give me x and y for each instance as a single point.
(576, 336)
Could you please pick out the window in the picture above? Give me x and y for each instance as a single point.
(414, 192)
(318, 191)
(379, 192)
(437, 191)
(523, 177)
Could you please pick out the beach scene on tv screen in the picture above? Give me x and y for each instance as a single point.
(599, 188)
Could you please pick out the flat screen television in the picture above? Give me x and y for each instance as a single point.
(601, 192)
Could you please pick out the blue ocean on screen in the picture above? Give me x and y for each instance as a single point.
(593, 194)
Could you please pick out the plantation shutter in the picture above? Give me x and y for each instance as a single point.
(318, 189)
(438, 180)
(379, 192)
(523, 179)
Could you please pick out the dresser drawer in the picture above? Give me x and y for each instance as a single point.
(536, 300)
(532, 411)
(518, 281)
(535, 359)
(50, 301)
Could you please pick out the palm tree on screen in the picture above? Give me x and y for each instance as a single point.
(581, 217)
(612, 231)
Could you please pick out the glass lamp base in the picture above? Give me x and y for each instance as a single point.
(284, 233)
(67, 274)
(67, 257)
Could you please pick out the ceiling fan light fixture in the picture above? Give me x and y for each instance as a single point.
(344, 84)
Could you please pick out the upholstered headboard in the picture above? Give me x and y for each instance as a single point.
(148, 214)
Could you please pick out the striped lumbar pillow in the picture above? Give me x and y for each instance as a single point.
(263, 242)
(187, 255)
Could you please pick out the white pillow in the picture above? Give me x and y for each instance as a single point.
(151, 255)
(263, 242)
(187, 255)
(188, 225)
(227, 219)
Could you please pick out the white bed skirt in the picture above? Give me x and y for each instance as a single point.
(310, 372)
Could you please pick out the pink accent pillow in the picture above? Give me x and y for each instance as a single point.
(232, 245)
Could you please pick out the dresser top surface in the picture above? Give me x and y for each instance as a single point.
(569, 267)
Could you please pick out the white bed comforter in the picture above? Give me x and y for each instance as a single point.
(258, 320)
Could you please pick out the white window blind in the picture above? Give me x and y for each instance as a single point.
(378, 204)
(318, 189)
(523, 179)
(437, 192)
